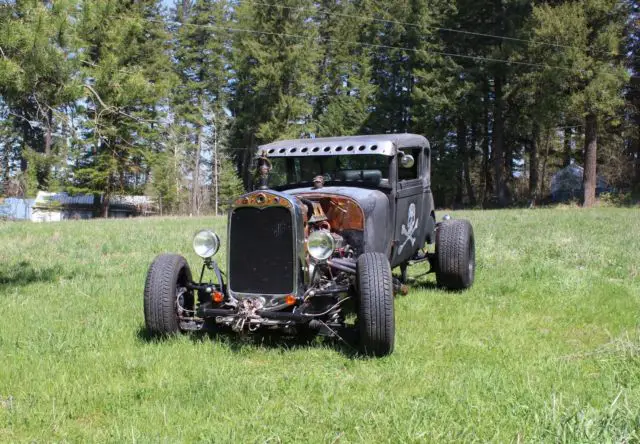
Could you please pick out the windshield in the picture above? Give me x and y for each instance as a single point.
(362, 169)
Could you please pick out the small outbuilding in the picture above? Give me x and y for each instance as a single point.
(54, 207)
(130, 206)
(13, 208)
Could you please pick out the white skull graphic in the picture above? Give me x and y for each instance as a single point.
(410, 228)
(411, 220)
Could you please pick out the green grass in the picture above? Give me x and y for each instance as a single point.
(544, 348)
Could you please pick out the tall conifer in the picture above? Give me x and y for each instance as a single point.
(275, 62)
(127, 77)
(585, 64)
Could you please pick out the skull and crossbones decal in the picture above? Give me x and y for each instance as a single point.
(410, 228)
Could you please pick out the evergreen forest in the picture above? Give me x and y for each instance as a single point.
(171, 98)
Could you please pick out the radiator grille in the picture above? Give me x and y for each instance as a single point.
(261, 258)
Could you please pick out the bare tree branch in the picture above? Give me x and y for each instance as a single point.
(90, 88)
(21, 117)
(115, 109)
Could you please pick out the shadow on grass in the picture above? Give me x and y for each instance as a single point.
(23, 273)
(239, 343)
(422, 284)
(432, 286)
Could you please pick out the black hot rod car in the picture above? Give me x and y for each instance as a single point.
(311, 249)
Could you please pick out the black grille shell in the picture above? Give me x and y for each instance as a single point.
(261, 250)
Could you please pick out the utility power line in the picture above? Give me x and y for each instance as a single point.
(370, 45)
(416, 25)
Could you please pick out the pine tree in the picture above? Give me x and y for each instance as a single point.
(230, 184)
(38, 80)
(274, 62)
(437, 103)
(9, 149)
(346, 95)
(127, 78)
(162, 186)
(391, 67)
(633, 94)
(485, 84)
(585, 65)
(200, 97)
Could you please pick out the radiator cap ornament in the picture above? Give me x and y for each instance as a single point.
(318, 182)
(264, 167)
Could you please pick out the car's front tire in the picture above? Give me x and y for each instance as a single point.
(456, 254)
(167, 275)
(375, 308)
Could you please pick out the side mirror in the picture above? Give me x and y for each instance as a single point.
(407, 161)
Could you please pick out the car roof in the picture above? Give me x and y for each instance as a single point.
(383, 144)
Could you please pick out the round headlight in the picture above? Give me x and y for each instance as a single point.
(320, 245)
(206, 243)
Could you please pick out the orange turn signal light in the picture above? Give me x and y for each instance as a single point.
(217, 296)
(289, 299)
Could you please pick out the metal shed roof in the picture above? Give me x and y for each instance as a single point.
(46, 199)
(130, 200)
(384, 144)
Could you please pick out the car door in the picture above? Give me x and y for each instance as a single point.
(409, 220)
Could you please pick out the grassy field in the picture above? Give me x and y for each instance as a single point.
(544, 348)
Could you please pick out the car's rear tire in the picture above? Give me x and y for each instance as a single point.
(376, 321)
(167, 273)
(456, 254)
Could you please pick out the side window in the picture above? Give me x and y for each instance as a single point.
(412, 172)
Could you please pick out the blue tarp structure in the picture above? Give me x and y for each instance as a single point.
(14, 208)
(566, 184)
(50, 207)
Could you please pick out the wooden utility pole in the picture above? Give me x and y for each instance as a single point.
(216, 168)
(589, 178)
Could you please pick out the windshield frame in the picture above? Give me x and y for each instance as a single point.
(293, 166)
